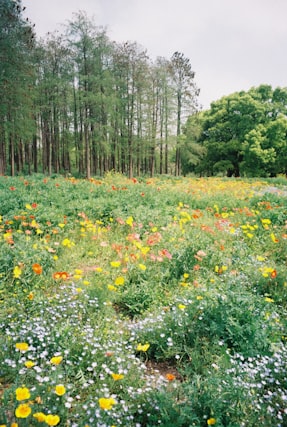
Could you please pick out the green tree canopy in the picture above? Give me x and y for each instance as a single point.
(245, 133)
(16, 82)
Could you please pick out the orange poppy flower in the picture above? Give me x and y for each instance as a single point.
(60, 275)
(64, 275)
(170, 377)
(37, 268)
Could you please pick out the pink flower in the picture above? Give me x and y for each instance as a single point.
(165, 253)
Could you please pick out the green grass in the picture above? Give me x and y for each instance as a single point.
(163, 301)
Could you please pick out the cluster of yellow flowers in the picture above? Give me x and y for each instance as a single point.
(23, 410)
(23, 394)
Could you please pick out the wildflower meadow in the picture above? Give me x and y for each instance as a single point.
(143, 302)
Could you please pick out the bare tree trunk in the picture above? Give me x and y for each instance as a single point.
(130, 139)
(2, 151)
(177, 153)
(35, 154)
(12, 155)
(87, 148)
(55, 141)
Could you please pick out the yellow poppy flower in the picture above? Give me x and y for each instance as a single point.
(22, 346)
(56, 360)
(60, 390)
(106, 403)
(22, 393)
(119, 281)
(143, 347)
(17, 272)
(39, 416)
(117, 377)
(23, 411)
(52, 420)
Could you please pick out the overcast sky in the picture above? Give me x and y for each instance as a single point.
(232, 44)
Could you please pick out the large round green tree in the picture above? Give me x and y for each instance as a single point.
(245, 133)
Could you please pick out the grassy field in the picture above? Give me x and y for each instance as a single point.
(150, 302)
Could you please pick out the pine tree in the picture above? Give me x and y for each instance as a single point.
(16, 81)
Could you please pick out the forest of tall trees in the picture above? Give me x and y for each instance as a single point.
(79, 103)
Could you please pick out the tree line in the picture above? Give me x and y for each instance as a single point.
(80, 103)
(77, 102)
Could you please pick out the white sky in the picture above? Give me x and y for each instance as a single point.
(232, 44)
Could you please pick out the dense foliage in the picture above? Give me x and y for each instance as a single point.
(142, 303)
(244, 133)
(16, 81)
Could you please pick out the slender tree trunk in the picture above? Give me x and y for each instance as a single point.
(177, 154)
(76, 128)
(166, 142)
(29, 157)
(34, 152)
(12, 154)
(49, 157)
(153, 136)
(161, 139)
(130, 135)
(46, 155)
(87, 147)
(81, 144)
(55, 144)
(21, 160)
(2, 149)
